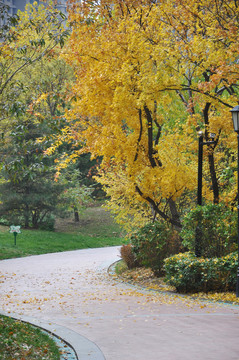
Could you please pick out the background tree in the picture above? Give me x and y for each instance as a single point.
(39, 87)
(30, 191)
(25, 39)
(76, 195)
(30, 195)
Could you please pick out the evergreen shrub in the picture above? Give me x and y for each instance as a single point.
(218, 230)
(189, 273)
(153, 243)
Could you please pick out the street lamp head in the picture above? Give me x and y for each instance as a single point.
(199, 131)
(235, 118)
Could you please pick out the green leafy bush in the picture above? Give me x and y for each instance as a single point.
(189, 273)
(153, 243)
(217, 225)
(47, 223)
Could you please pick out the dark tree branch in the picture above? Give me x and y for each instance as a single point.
(140, 134)
(157, 210)
(150, 137)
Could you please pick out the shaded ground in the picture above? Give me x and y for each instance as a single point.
(94, 221)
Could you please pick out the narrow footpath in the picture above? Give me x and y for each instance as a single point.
(74, 290)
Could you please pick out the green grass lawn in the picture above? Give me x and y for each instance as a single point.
(95, 229)
(37, 242)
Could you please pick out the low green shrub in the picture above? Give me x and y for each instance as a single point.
(217, 225)
(120, 267)
(189, 273)
(153, 243)
(47, 223)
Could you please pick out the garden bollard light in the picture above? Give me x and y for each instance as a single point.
(15, 230)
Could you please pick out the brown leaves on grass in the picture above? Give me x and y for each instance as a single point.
(145, 278)
(22, 341)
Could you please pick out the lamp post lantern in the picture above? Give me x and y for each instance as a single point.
(235, 119)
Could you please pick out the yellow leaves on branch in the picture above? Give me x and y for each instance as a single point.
(145, 74)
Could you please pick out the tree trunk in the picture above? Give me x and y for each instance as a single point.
(26, 217)
(150, 137)
(174, 214)
(76, 215)
(35, 219)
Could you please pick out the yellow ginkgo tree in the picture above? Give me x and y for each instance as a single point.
(148, 73)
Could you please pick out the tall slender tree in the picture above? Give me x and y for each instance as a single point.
(34, 95)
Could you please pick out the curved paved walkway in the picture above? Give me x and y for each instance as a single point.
(73, 290)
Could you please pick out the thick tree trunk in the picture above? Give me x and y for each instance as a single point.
(174, 214)
(174, 219)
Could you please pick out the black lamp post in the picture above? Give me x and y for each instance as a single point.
(200, 158)
(198, 234)
(235, 119)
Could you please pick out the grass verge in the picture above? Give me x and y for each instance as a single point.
(95, 229)
(19, 340)
(36, 242)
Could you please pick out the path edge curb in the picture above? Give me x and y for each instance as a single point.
(84, 348)
(111, 272)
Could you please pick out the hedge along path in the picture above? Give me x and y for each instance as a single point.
(73, 289)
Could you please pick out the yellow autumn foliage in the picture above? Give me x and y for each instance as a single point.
(147, 73)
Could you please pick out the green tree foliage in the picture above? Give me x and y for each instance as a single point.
(34, 91)
(29, 195)
(75, 195)
(88, 170)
